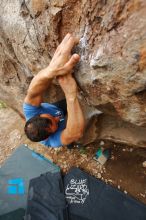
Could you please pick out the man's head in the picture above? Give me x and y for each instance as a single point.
(40, 127)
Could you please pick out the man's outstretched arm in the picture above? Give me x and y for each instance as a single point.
(75, 120)
(60, 64)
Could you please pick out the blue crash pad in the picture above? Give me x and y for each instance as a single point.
(15, 174)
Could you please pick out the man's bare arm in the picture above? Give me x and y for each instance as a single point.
(37, 87)
(75, 121)
(60, 64)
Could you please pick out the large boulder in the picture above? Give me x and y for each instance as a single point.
(111, 74)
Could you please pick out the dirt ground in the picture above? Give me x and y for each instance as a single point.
(123, 170)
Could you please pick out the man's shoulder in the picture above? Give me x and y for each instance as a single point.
(30, 110)
(29, 106)
(54, 140)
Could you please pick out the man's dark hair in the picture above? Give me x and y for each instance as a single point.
(36, 128)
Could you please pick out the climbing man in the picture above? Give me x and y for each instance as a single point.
(46, 122)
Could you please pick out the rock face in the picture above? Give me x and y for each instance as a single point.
(111, 74)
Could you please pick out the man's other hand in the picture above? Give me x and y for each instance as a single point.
(62, 61)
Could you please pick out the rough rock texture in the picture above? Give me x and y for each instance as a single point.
(111, 74)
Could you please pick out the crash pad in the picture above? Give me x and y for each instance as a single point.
(79, 196)
(15, 174)
(91, 199)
